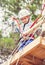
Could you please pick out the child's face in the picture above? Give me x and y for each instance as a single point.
(25, 19)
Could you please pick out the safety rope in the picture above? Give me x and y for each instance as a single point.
(43, 7)
(35, 21)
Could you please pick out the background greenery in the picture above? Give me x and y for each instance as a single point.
(11, 7)
(14, 6)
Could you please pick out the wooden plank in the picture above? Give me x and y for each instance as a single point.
(26, 49)
(35, 57)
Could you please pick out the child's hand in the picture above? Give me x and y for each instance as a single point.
(25, 37)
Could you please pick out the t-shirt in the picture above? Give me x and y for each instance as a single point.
(26, 27)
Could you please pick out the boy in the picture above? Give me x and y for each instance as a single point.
(24, 16)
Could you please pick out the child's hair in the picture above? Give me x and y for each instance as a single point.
(43, 34)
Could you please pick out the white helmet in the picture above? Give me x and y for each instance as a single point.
(23, 13)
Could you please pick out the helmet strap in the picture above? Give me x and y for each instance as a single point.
(28, 21)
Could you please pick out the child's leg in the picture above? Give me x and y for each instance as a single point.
(25, 43)
(29, 41)
(22, 44)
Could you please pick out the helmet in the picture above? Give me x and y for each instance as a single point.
(23, 13)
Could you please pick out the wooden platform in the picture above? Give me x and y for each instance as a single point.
(35, 56)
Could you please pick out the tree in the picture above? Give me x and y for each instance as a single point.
(13, 6)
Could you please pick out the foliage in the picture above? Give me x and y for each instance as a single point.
(15, 35)
(14, 6)
(7, 43)
(34, 17)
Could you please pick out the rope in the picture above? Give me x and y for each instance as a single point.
(12, 54)
(35, 21)
(38, 16)
(21, 51)
(17, 61)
